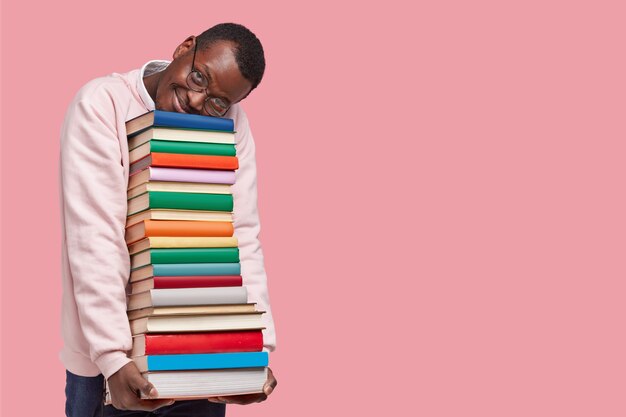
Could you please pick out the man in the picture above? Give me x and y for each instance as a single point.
(208, 75)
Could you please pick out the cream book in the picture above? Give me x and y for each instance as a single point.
(182, 242)
(203, 323)
(168, 214)
(187, 297)
(181, 187)
(192, 310)
(180, 135)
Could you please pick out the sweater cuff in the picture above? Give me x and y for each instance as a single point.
(111, 362)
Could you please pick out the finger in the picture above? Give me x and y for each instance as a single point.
(151, 405)
(243, 399)
(215, 400)
(141, 384)
(270, 384)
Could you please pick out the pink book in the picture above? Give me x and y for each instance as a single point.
(207, 176)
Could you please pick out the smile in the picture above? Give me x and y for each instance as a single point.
(178, 103)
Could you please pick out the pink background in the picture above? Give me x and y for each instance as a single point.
(441, 194)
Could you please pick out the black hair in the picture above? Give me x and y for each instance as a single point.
(248, 49)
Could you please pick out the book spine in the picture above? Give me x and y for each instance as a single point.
(192, 175)
(199, 296)
(192, 121)
(194, 255)
(196, 269)
(179, 228)
(207, 361)
(191, 201)
(174, 160)
(216, 342)
(198, 281)
(192, 148)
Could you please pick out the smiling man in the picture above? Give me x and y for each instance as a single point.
(209, 74)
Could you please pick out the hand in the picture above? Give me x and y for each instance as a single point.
(268, 387)
(125, 386)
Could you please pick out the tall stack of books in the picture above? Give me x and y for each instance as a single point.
(194, 333)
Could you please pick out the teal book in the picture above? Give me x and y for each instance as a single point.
(177, 270)
(188, 148)
(180, 201)
(184, 256)
(195, 361)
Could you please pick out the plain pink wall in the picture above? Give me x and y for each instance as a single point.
(441, 192)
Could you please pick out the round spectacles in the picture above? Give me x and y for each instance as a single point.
(199, 83)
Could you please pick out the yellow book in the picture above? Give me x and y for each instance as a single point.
(182, 242)
(181, 187)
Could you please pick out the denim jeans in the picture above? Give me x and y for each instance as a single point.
(83, 398)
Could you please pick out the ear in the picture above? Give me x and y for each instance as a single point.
(187, 45)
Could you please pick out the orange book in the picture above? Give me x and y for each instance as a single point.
(178, 160)
(174, 228)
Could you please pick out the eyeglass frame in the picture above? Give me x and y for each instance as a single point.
(207, 105)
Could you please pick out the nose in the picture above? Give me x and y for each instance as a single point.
(196, 100)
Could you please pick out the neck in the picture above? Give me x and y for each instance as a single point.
(151, 82)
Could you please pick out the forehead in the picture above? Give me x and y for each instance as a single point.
(218, 61)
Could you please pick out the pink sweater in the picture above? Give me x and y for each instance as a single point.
(95, 261)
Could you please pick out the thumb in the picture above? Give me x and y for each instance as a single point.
(145, 386)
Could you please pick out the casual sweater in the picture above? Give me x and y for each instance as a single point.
(94, 170)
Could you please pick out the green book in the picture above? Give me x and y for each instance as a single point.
(180, 201)
(184, 256)
(188, 148)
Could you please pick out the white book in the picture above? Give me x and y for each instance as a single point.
(187, 385)
(200, 323)
(188, 296)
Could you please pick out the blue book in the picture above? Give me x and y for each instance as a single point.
(178, 270)
(162, 118)
(196, 361)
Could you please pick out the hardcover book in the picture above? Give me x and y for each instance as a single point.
(180, 135)
(174, 160)
(181, 120)
(188, 297)
(196, 361)
(150, 228)
(210, 342)
(204, 176)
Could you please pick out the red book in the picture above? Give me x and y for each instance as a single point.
(197, 281)
(213, 342)
(176, 160)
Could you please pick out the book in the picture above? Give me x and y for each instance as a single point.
(180, 187)
(197, 281)
(174, 119)
(180, 135)
(186, 385)
(178, 270)
(202, 384)
(172, 228)
(189, 148)
(197, 361)
(188, 297)
(170, 214)
(184, 256)
(191, 310)
(203, 323)
(175, 160)
(182, 242)
(212, 342)
(205, 176)
(184, 201)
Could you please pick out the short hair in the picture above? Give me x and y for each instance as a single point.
(248, 49)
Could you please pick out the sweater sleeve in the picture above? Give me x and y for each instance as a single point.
(247, 228)
(94, 208)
